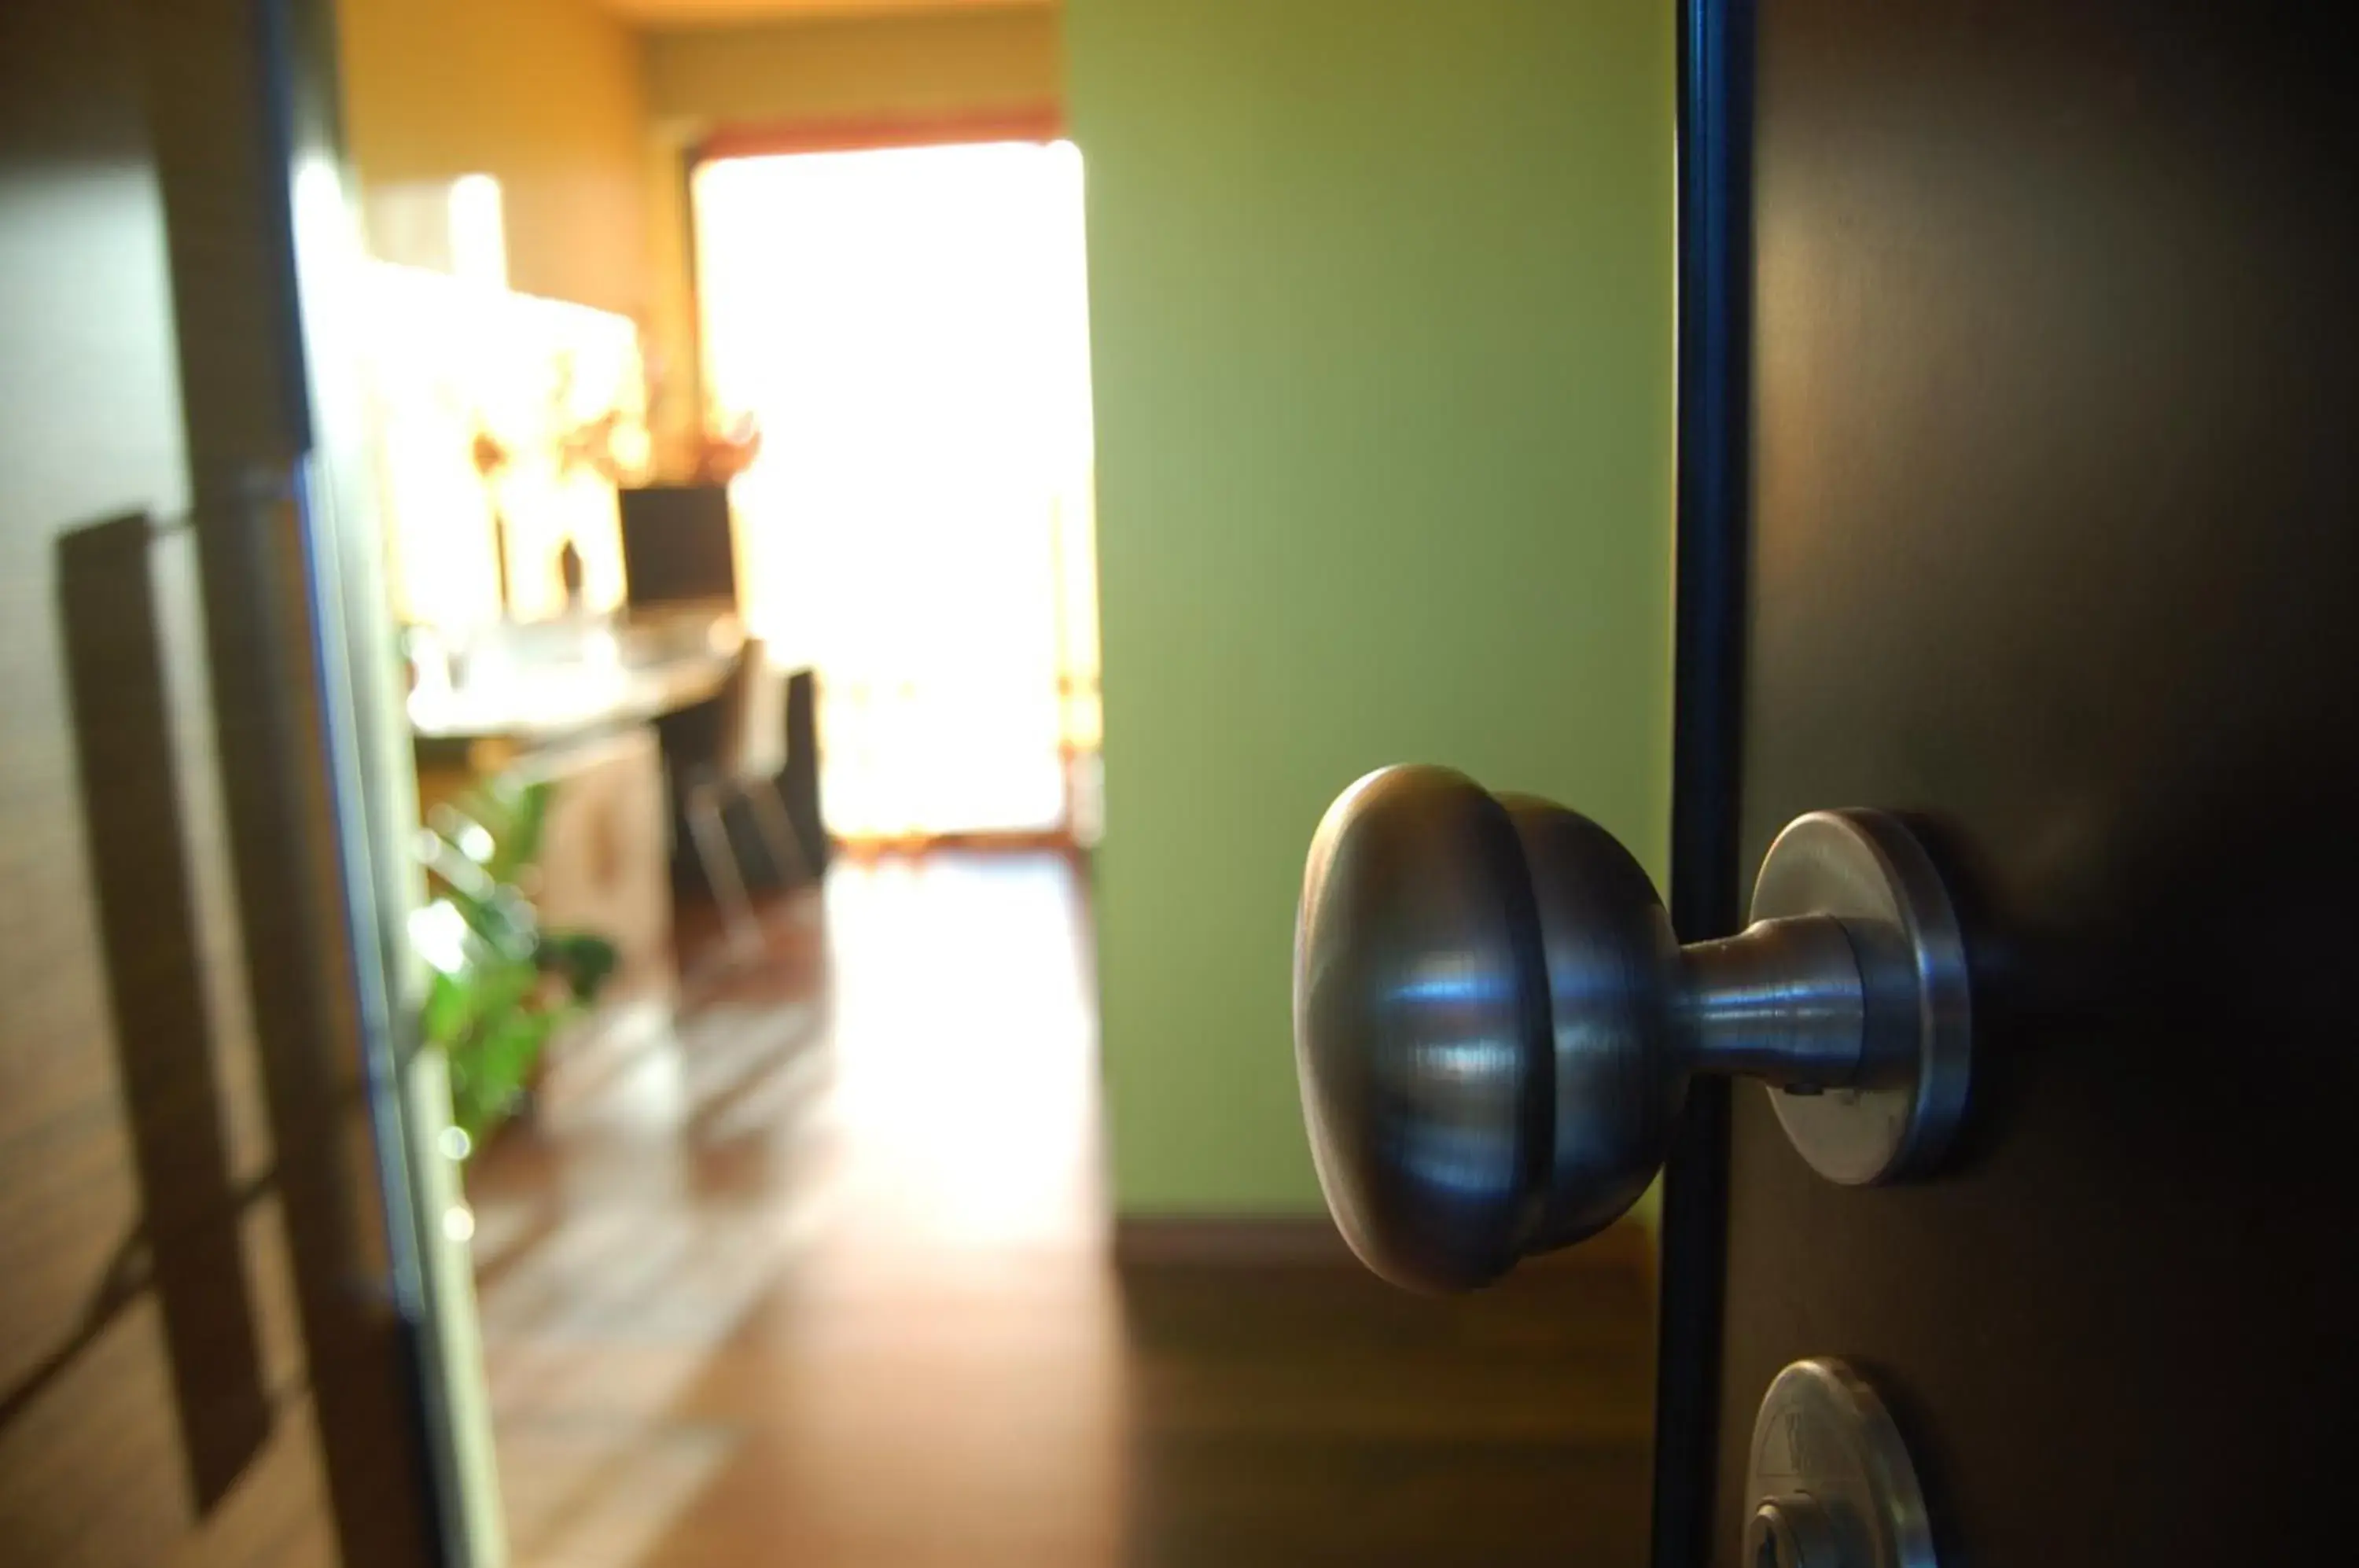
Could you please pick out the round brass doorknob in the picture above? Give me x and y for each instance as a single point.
(1495, 1027)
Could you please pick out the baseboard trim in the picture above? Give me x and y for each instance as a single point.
(1212, 1240)
(1201, 1241)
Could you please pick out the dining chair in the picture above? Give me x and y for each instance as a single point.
(748, 755)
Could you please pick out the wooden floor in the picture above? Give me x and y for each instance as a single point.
(815, 1272)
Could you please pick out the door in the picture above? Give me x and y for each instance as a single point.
(210, 1307)
(2052, 545)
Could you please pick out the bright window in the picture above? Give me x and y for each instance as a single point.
(909, 328)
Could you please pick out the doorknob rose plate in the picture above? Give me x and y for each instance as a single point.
(1869, 871)
(1495, 1027)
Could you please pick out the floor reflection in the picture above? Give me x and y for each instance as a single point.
(812, 1270)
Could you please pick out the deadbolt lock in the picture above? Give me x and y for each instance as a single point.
(1830, 1479)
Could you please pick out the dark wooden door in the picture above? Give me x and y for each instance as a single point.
(207, 1348)
(2054, 469)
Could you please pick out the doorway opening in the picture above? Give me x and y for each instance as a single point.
(737, 472)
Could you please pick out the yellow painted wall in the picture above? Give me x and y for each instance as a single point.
(839, 68)
(547, 95)
(854, 68)
(1381, 294)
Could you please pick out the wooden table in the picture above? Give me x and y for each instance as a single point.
(483, 727)
(590, 732)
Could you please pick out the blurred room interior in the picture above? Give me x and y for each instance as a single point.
(730, 826)
(870, 1133)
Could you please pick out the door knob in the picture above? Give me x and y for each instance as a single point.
(1495, 1027)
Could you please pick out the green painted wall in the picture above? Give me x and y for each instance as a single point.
(1382, 311)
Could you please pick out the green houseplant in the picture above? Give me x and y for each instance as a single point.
(499, 985)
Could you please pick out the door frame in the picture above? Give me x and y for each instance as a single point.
(316, 778)
(374, 803)
(1713, 487)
